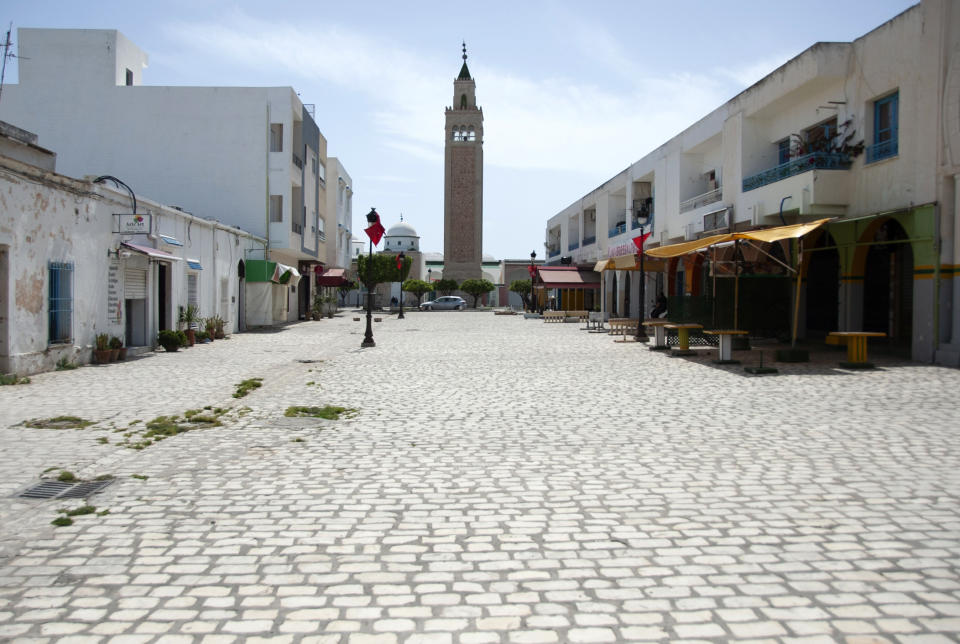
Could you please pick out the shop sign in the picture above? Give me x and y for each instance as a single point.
(132, 224)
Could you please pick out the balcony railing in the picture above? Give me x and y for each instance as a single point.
(592, 239)
(812, 161)
(573, 245)
(297, 161)
(881, 151)
(618, 229)
(708, 197)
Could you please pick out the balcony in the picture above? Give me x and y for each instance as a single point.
(800, 165)
(297, 161)
(592, 239)
(881, 151)
(711, 196)
(573, 245)
(619, 229)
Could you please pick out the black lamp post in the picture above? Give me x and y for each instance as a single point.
(641, 336)
(372, 218)
(533, 273)
(400, 260)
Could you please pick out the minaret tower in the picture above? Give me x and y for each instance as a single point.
(463, 181)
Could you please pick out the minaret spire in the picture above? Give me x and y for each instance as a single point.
(464, 72)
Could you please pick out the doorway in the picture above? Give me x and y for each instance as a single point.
(823, 288)
(888, 286)
(163, 295)
(241, 308)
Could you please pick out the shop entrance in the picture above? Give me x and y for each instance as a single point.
(888, 286)
(823, 288)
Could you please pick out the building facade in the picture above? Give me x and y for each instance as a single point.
(251, 157)
(79, 258)
(463, 181)
(865, 133)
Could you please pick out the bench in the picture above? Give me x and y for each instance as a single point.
(554, 316)
(580, 315)
(623, 326)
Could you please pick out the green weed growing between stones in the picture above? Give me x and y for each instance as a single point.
(58, 422)
(246, 386)
(328, 412)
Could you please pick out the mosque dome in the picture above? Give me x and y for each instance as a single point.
(402, 229)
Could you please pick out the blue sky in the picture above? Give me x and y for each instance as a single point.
(572, 92)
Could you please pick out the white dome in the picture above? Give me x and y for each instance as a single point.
(402, 229)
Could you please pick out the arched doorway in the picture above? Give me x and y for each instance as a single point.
(241, 309)
(823, 287)
(888, 285)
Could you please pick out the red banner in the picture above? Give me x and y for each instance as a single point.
(638, 241)
(375, 231)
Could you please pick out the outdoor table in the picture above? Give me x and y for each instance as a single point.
(725, 352)
(595, 322)
(857, 347)
(659, 333)
(683, 335)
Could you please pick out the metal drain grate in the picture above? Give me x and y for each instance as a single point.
(63, 490)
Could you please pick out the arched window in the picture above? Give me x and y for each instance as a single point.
(463, 101)
(471, 135)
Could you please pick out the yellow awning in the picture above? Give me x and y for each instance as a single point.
(794, 231)
(624, 262)
(602, 265)
(675, 250)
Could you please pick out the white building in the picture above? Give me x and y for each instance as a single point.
(78, 259)
(339, 215)
(251, 157)
(866, 132)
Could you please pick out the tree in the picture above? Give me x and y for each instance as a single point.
(343, 289)
(476, 288)
(445, 286)
(522, 288)
(383, 268)
(418, 287)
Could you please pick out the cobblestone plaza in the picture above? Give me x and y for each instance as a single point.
(501, 480)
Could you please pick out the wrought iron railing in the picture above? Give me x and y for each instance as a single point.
(708, 197)
(880, 151)
(618, 229)
(812, 161)
(592, 239)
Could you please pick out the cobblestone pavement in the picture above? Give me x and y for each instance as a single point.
(502, 480)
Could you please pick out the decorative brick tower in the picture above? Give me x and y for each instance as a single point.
(463, 181)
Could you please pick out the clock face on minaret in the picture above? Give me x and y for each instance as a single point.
(463, 181)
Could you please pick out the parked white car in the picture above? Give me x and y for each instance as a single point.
(445, 303)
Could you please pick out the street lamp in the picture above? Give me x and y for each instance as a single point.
(533, 273)
(643, 218)
(400, 259)
(372, 219)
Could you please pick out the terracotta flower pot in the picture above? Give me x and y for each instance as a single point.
(123, 354)
(191, 337)
(101, 356)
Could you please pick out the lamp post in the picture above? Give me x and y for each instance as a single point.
(643, 220)
(372, 218)
(533, 273)
(400, 260)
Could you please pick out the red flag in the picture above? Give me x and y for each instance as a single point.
(375, 231)
(532, 271)
(400, 259)
(638, 241)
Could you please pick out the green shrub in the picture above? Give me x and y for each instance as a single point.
(169, 340)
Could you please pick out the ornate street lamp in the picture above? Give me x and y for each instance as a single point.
(375, 229)
(643, 218)
(533, 273)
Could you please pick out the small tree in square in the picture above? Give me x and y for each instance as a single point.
(476, 288)
(419, 288)
(445, 286)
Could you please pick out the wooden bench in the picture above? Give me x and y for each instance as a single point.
(554, 316)
(622, 327)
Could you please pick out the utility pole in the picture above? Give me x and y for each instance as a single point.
(6, 54)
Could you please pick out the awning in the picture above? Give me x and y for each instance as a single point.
(624, 262)
(602, 265)
(567, 277)
(333, 277)
(631, 263)
(283, 274)
(793, 231)
(152, 252)
(169, 240)
(194, 264)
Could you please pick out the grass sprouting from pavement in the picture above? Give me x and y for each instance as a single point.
(328, 412)
(246, 386)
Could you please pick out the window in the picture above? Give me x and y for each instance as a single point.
(193, 290)
(783, 151)
(276, 208)
(61, 302)
(129, 78)
(885, 128)
(820, 137)
(276, 137)
(323, 173)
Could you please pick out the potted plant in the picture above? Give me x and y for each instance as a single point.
(210, 326)
(115, 345)
(317, 308)
(329, 305)
(101, 352)
(218, 323)
(189, 318)
(202, 337)
(169, 340)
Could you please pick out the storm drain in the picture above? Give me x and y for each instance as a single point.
(64, 490)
